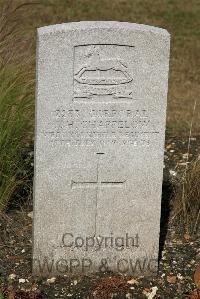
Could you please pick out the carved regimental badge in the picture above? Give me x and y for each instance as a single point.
(102, 74)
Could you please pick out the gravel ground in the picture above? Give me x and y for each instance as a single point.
(179, 257)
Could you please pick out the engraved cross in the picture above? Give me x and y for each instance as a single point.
(97, 184)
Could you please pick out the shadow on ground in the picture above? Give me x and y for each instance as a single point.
(167, 193)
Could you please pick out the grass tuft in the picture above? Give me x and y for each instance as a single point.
(16, 104)
(187, 199)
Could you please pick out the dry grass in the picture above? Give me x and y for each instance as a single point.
(187, 199)
(16, 102)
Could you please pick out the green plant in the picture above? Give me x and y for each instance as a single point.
(16, 105)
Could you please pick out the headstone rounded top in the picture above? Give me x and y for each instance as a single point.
(100, 127)
(83, 25)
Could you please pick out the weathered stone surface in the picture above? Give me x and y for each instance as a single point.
(100, 127)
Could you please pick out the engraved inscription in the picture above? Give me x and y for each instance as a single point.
(101, 73)
(106, 126)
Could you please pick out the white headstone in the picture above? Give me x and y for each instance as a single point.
(100, 127)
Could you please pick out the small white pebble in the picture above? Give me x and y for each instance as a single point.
(179, 276)
(22, 280)
(51, 280)
(132, 281)
(172, 172)
(153, 293)
(75, 282)
(23, 250)
(12, 276)
(30, 215)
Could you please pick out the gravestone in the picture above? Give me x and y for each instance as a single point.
(100, 126)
